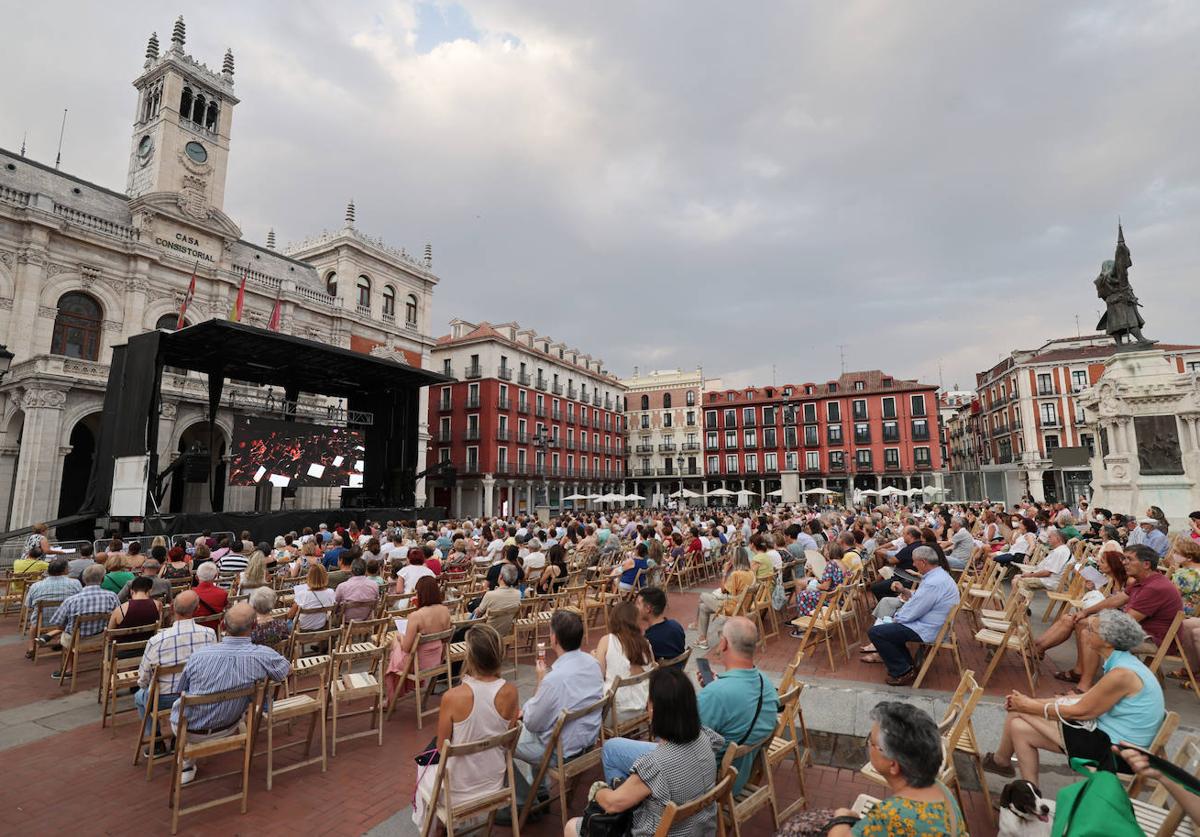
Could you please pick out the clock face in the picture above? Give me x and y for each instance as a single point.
(196, 151)
(145, 148)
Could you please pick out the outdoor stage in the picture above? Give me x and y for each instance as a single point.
(265, 526)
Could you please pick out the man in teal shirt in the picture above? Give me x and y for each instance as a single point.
(741, 705)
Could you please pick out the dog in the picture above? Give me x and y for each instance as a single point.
(1023, 811)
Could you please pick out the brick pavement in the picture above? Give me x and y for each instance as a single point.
(365, 785)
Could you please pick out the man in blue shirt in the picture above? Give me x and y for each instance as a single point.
(741, 705)
(918, 620)
(1152, 536)
(666, 636)
(330, 558)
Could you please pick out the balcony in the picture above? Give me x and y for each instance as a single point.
(502, 435)
(751, 444)
(556, 389)
(790, 444)
(541, 384)
(1046, 392)
(448, 370)
(923, 464)
(862, 438)
(749, 422)
(444, 405)
(608, 404)
(751, 469)
(667, 447)
(668, 472)
(504, 373)
(505, 403)
(540, 411)
(556, 414)
(891, 435)
(891, 465)
(692, 471)
(363, 310)
(584, 446)
(920, 436)
(523, 379)
(523, 407)
(471, 466)
(504, 468)
(474, 371)
(572, 392)
(812, 469)
(690, 447)
(570, 416)
(643, 472)
(472, 402)
(711, 425)
(596, 422)
(445, 436)
(712, 446)
(838, 466)
(1054, 422)
(471, 434)
(771, 469)
(522, 438)
(389, 316)
(595, 400)
(570, 444)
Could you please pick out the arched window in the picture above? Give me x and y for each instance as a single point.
(198, 105)
(389, 301)
(666, 400)
(645, 402)
(168, 321)
(410, 310)
(364, 291)
(691, 398)
(331, 283)
(77, 327)
(210, 118)
(185, 103)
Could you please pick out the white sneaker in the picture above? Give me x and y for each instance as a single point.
(188, 773)
(702, 646)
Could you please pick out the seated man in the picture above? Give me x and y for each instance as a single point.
(959, 546)
(1050, 571)
(168, 647)
(667, 637)
(918, 620)
(500, 606)
(1150, 598)
(1148, 534)
(160, 587)
(232, 663)
(574, 681)
(901, 559)
(90, 601)
(358, 595)
(57, 586)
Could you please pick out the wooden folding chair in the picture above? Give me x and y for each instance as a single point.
(628, 727)
(441, 804)
(304, 665)
(285, 710)
(677, 662)
(759, 791)
(156, 720)
(38, 620)
(1018, 638)
(563, 771)
(1158, 746)
(423, 679)
(12, 590)
(80, 645)
(1070, 587)
(362, 632)
(532, 619)
(1161, 815)
(347, 685)
(721, 795)
(189, 750)
(760, 605)
(820, 625)
(946, 639)
(787, 742)
(1171, 639)
(120, 675)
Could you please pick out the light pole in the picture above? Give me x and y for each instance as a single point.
(6, 359)
(540, 441)
(679, 464)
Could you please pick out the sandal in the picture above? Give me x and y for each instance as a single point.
(1068, 676)
(871, 658)
(867, 649)
(992, 766)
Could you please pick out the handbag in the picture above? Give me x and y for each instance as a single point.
(429, 755)
(600, 823)
(1096, 807)
(779, 595)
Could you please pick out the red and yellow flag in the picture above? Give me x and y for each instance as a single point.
(187, 299)
(236, 313)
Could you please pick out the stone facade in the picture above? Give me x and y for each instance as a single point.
(127, 259)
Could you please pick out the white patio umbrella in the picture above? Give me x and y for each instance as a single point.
(929, 490)
(612, 498)
(577, 497)
(634, 497)
(891, 491)
(720, 492)
(778, 492)
(819, 491)
(869, 491)
(686, 494)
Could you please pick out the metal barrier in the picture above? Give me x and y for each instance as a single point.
(10, 551)
(101, 545)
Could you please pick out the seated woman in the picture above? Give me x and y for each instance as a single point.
(738, 576)
(554, 576)
(905, 748)
(809, 590)
(1024, 536)
(626, 573)
(176, 566)
(115, 574)
(430, 617)
(312, 595)
(268, 629)
(138, 611)
(1126, 704)
(1110, 562)
(482, 706)
(255, 574)
(671, 768)
(1187, 578)
(624, 652)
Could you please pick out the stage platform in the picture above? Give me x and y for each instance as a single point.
(264, 526)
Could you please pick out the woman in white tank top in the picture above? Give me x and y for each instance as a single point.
(484, 705)
(613, 652)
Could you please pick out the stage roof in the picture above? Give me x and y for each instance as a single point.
(247, 353)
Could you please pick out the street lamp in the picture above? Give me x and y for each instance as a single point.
(679, 464)
(540, 442)
(6, 359)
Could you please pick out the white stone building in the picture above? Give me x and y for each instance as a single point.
(83, 268)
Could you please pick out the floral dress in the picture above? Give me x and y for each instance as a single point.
(1187, 579)
(806, 600)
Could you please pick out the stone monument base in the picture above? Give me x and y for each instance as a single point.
(1147, 417)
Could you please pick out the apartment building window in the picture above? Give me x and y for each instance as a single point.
(769, 439)
(837, 459)
(752, 463)
(1049, 413)
(713, 464)
(834, 434)
(472, 459)
(1051, 441)
(445, 399)
(731, 418)
(751, 438)
(768, 416)
(862, 433)
(1045, 384)
(860, 409)
(666, 419)
(863, 458)
(889, 407)
(444, 455)
(690, 398)
(771, 461)
(444, 429)
(473, 426)
(891, 458)
(920, 429)
(810, 413)
(710, 420)
(731, 439)
(810, 436)
(522, 459)
(472, 395)
(710, 440)
(891, 431)
(789, 436)
(502, 459)
(921, 457)
(522, 400)
(833, 411)
(731, 463)
(1079, 380)
(918, 405)
(645, 422)
(447, 367)
(789, 460)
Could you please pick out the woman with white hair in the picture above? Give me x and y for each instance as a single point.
(268, 629)
(1126, 704)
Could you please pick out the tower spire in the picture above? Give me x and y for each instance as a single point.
(271, 239)
(350, 213)
(178, 34)
(428, 255)
(152, 49)
(227, 64)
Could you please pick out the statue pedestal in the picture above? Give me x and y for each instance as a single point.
(1146, 419)
(789, 484)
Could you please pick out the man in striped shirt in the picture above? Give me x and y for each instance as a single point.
(169, 647)
(57, 586)
(232, 663)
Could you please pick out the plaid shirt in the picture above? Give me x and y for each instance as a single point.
(91, 599)
(53, 588)
(172, 646)
(232, 663)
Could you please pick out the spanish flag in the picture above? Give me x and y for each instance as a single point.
(236, 313)
(277, 311)
(187, 299)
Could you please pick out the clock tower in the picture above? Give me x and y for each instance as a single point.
(181, 129)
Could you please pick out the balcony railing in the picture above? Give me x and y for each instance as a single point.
(448, 370)
(1054, 422)
(523, 379)
(891, 466)
(471, 434)
(541, 384)
(749, 422)
(1044, 392)
(837, 466)
(570, 444)
(444, 405)
(595, 400)
(596, 422)
(556, 414)
(522, 438)
(643, 472)
(445, 436)
(523, 407)
(572, 392)
(474, 371)
(504, 373)
(556, 389)
(570, 416)
(771, 469)
(891, 436)
(504, 403)
(667, 472)
(667, 447)
(472, 402)
(505, 468)
(712, 446)
(690, 447)
(471, 466)
(923, 464)
(862, 438)
(812, 469)
(751, 443)
(539, 411)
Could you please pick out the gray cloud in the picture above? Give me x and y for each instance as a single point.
(673, 184)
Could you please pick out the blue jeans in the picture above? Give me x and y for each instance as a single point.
(139, 700)
(890, 640)
(619, 754)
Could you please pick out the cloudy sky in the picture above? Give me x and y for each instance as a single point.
(757, 188)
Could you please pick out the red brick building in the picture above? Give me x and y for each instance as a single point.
(529, 421)
(866, 429)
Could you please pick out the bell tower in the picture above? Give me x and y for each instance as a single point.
(181, 128)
